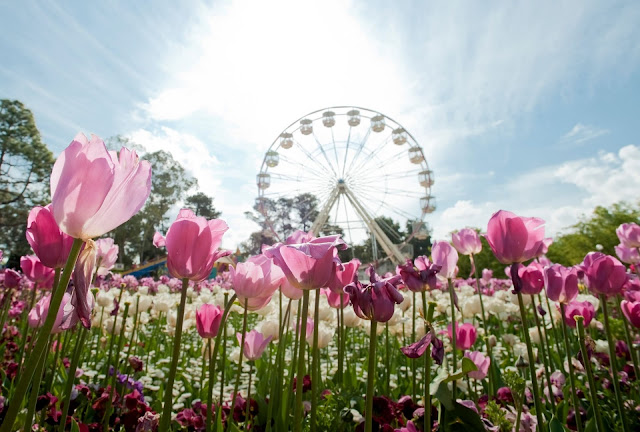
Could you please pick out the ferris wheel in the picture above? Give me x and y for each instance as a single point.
(360, 165)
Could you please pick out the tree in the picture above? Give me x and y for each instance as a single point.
(202, 205)
(25, 167)
(599, 228)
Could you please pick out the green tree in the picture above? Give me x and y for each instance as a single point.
(25, 168)
(202, 205)
(597, 229)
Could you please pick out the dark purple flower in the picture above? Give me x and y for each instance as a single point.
(419, 274)
(375, 300)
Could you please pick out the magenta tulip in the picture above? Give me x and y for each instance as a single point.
(466, 335)
(444, 255)
(487, 275)
(629, 235)
(299, 237)
(307, 265)
(375, 300)
(343, 275)
(208, 319)
(333, 298)
(107, 254)
(11, 278)
(192, 245)
(37, 272)
(481, 361)
(561, 283)
(49, 243)
(604, 274)
(420, 275)
(93, 190)
(515, 239)
(627, 255)
(467, 241)
(631, 310)
(254, 344)
(532, 278)
(575, 308)
(256, 279)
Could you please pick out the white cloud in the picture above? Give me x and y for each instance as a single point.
(601, 180)
(582, 133)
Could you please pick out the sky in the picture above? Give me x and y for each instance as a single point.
(530, 106)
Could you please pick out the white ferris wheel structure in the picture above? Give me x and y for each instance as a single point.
(360, 165)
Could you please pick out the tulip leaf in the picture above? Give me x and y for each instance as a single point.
(74, 425)
(556, 426)
(439, 388)
(462, 419)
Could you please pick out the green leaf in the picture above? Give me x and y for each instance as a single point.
(439, 388)
(74, 425)
(591, 425)
(462, 419)
(555, 425)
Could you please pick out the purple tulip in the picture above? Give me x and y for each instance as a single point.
(532, 278)
(574, 309)
(604, 274)
(631, 310)
(629, 235)
(375, 300)
(561, 282)
(627, 255)
(419, 275)
(515, 239)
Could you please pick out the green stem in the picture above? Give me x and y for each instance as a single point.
(532, 360)
(165, 420)
(116, 368)
(212, 360)
(544, 354)
(340, 353)
(371, 373)
(315, 376)
(235, 387)
(275, 392)
(112, 341)
(428, 424)
(546, 334)
(614, 366)
(298, 410)
(592, 382)
(567, 348)
(246, 416)
(43, 336)
(414, 379)
(35, 390)
(71, 376)
(454, 331)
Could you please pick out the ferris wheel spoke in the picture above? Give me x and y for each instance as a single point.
(363, 141)
(346, 152)
(304, 166)
(324, 153)
(335, 151)
(372, 154)
(313, 158)
(390, 159)
(393, 191)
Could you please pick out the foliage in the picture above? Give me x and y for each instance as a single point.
(25, 167)
(497, 416)
(202, 205)
(597, 229)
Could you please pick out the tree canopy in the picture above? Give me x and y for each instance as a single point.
(25, 168)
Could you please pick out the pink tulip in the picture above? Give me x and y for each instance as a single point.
(466, 335)
(343, 274)
(256, 279)
(299, 237)
(631, 310)
(487, 275)
(544, 261)
(604, 274)
(375, 300)
(307, 265)
(36, 272)
(419, 275)
(289, 290)
(50, 244)
(65, 318)
(467, 241)
(254, 344)
(481, 361)
(515, 239)
(561, 282)
(575, 308)
(208, 319)
(192, 246)
(158, 240)
(333, 298)
(627, 255)
(11, 278)
(107, 254)
(629, 235)
(94, 190)
(444, 255)
(82, 298)
(532, 278)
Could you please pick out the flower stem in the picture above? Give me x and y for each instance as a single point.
(427, 372)
(71, 376)
(237, 384)
(614, 366)
(165, 420)
(315, 376)
(298, 410)
(212, 360)
(414, 379)
(454, 331)
(567, 348)
(592, 383)
(43, 336)
(371, 373)
(35, 389)
(543, 349)
(532, 366)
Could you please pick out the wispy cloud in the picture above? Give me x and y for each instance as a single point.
(581, 133)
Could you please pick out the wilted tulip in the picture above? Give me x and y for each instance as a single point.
(561, 282)
(375, 300)
(208, 318)
(107, 254)
(93, 190)
(419, 275)
(192, 245)
(515, 239)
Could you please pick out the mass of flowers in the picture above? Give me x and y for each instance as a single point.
(294, 339)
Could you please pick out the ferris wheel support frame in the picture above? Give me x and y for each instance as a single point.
(323, 216)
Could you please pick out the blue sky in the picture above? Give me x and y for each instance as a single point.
(529, 106)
